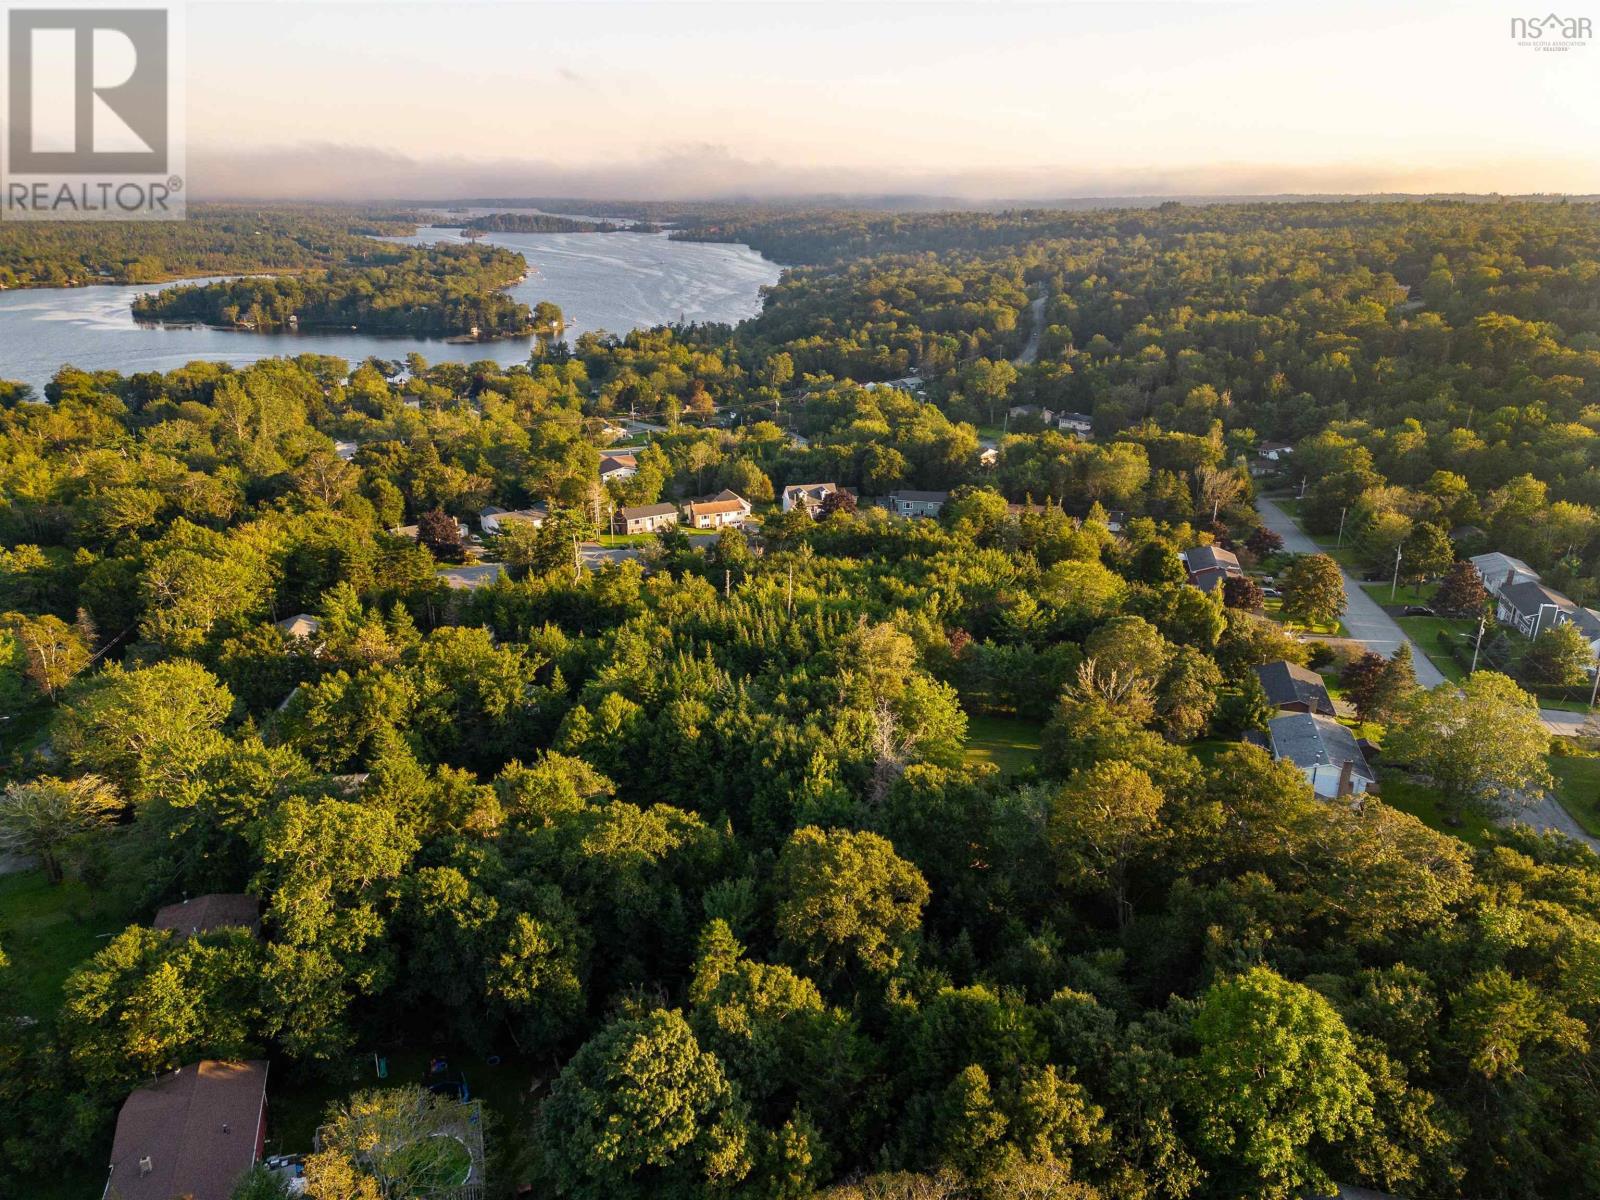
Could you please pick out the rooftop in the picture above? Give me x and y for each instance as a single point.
(646, 510)
(1289, 683)
(1310, 741)
(191, 1133)
(202, 914)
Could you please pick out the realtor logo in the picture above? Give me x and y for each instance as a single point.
(90, 115)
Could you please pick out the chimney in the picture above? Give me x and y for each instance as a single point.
(1346, 771)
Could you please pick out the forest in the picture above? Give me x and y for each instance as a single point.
(424, 291)
(704, 847)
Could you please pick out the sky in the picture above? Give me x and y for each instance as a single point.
(981, 101)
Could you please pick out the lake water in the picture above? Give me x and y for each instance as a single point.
(611, 281)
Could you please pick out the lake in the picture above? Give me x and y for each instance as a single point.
(610, 281)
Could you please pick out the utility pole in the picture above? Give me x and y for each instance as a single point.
(1595, 691)
(1302, 494)
(577, 561)
(1395, 586)
(791, 589)
(1342, 512)
(1483, 623)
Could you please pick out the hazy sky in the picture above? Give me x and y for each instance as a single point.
(975, 99)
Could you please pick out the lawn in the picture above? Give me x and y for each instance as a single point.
(1010, 743)
(1421, 801)
(1408, 593)
(298, 1102)
(1578, 788)
(47, 929)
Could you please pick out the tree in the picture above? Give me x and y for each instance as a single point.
(1101, 820)
(1481, 742)
(1392, 687)
(1217, 486)
(1426, 552)
(53, 652)
(1560, 657)
(1313, 590)
(45, 816)
(1244, 593)
(1361, 679)
(146, 729)
(642, 1110)
(1275, 1069)
(846, 900)
(441, 534)
(368, 1146)
(1263, 542)
(1461, 591)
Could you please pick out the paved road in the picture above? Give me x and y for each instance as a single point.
(1036, 314)
(1364, 617)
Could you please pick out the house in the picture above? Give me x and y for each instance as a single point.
(644, 518)
(191, 1133)
(203, 914)
(1274, 451)
(614, 468)
(724, 509)
(1208, 566)
(1292, 688)
(1500, 571)
(301, 625)
(346, 450)
(989, 456)
(1529, 607)
(1324, 750)
(808, 496)
(471, 576)
(1080, 424)
(410, 531)
(494, 520)
(916, 504)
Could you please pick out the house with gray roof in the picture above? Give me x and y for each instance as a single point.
(1209, 566)
(1499, 571)
(1293, 688)
(1325, 752)
(905, 503)
(644, 518)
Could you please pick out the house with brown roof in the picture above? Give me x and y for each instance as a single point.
(614, 468)
(724, 509)
(191, 1133)
(644, 518)
(204, 914)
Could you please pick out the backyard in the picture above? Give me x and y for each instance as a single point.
(1012, 744)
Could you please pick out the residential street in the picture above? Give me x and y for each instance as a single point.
(1364, 617)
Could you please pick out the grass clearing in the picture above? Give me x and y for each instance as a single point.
(48, 929)
(1577, 779)
(1011, 743)
(1423, 802)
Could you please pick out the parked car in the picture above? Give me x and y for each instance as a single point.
(1271, 591)
(1417, 610)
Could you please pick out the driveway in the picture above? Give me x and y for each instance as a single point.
(1364, 617)
(1547, 816)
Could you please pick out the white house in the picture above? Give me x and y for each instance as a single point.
(616, 467)
(1324, 750)
(495, 520)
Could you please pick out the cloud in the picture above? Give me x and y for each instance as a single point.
(704, 170)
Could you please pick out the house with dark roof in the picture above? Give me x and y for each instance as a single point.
(203, 914)
(190, 1134)
(1530, 607)
(1293, 688)
(905, 503)
(1325, 752)
(808, 496)
(1208, 566)
(644, 518)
